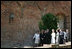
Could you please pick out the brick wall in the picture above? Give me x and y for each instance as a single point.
(25, 21)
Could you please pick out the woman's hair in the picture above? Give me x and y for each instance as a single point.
(58, 30)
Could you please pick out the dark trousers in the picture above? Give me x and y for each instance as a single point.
(61, 39)
(41, 42)
(66, 39)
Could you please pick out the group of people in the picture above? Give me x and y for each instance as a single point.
(57, 37)
(60, 36)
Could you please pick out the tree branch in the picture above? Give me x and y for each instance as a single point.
(18, 3)
(36, 3)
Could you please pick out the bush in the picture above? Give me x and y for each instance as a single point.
(48, 21)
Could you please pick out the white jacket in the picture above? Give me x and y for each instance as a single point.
(37, 38)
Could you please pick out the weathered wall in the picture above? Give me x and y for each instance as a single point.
(26, 21)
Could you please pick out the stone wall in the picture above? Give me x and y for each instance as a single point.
(27, 14)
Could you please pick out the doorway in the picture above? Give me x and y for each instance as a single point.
(61, 21)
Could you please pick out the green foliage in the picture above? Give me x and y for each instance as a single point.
(48, 21)
(42, 26)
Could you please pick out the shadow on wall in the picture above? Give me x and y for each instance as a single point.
(28, 42)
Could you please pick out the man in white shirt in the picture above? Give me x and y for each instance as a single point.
(67, 35)
(64, 36)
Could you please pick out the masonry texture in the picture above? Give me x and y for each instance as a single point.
(27, 14)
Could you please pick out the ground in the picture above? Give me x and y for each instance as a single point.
(66, 45)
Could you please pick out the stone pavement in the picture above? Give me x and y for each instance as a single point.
(66, 45)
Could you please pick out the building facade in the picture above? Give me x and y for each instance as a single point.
(19, 19)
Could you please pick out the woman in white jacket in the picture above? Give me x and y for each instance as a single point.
(37, 38)
(53, 37)
(57, 37)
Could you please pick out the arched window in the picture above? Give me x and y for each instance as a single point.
(11, 17)
(61, 20)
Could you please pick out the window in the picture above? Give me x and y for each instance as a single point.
(11, 17)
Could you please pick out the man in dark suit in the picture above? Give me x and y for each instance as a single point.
(42, 37)
(46, 38)
(61, 37)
